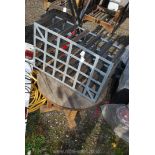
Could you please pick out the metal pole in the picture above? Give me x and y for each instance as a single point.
(77, 12)
(71, 7)
(84, 10)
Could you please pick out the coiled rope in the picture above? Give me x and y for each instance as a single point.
(36, 98)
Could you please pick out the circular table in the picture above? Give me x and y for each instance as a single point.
(61, 95)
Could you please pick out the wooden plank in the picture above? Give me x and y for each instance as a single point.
(46, 4)
(117, 16)
(104, 24)
(70, 114)
(78, 3)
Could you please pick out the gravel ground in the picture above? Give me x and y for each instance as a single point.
(48, 133)
(33, 10)
(91, 136)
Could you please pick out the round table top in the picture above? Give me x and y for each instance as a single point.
(60, 94)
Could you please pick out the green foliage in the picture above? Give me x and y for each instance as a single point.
(35, 139)
(34, 143)
(33, 123)
(119, 151)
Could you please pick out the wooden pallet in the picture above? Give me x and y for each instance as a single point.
(104, 18)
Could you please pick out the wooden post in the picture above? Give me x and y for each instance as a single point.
(70, 114)
(46, 4)
(117, 15)
(78, 3)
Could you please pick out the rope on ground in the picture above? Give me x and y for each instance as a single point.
(36, 98)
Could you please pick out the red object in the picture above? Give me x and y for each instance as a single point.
(29, 54)
(66, 46)
(97, 112)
